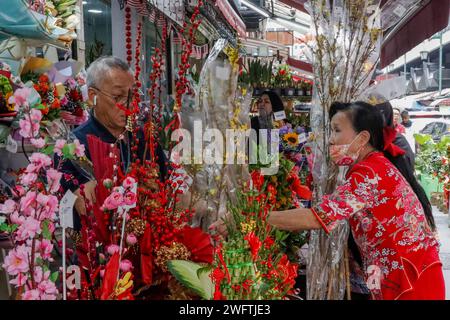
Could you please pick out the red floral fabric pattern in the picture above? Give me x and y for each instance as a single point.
(388, 224)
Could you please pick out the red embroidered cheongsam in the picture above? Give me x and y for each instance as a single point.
(398, 248)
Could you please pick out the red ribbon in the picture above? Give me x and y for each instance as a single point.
(389, 146)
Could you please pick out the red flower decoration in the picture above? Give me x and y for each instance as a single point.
(302, 191)
(198, 243)
(254, 243)
(258, 179)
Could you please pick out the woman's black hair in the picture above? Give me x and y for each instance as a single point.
(365, 117)
(275, 100)
(388, 113)
(405, 163)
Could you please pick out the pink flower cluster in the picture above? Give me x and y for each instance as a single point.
(121, 196)
(79, 148)
(33, 212)
(30, 125)
(45, 288)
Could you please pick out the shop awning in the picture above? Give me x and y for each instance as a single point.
(232, 17)
(301, 65)
(296, 4)
(429, 20)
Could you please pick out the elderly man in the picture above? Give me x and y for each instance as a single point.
(110, 83)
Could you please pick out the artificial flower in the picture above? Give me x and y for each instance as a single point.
(128, 183)
(8, 207)
(17, 260)
(59, 145)
(79, 148)
(38, 143)
(126, 265)
(131, 239)
(291, 138)
(53, 180)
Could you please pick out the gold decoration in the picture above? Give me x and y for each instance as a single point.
(136, 226)
(129, 126)
(176, 108)
(177, 251)
(153, 204)
(178, 291)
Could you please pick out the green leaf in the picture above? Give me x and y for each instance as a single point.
(39, 107)
(45, 230)
(192, 276)
(48, 150)
(422, 138)
(4, 227)
(444, 143)
(69, 151)
(54, 276)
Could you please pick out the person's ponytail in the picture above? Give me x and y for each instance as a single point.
(400, 160)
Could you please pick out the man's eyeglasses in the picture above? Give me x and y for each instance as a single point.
(125, 100)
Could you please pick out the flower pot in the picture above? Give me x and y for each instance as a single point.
(299, 92)
(289, 92)
(258, 91)
(277, 91)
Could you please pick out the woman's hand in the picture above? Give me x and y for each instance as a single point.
(293, 220)
(220, 226)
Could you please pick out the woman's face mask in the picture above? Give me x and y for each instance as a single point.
(340, 156)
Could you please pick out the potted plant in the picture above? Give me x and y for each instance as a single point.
(290, 89)
(308, 88)
(259, 75)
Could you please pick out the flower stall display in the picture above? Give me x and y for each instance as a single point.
(49, 96)
(73, 104)
(137, 223)
(285, 190)
(432, 167)
(249, 264)
(32, 213)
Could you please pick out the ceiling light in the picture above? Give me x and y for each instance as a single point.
(95, 11)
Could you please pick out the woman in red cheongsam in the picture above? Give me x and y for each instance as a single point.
(398, 248)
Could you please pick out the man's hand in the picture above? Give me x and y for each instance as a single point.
(89, 191)
(89, 194)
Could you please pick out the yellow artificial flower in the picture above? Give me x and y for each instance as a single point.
(291, 138)
(123, 284)
(248, 227)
